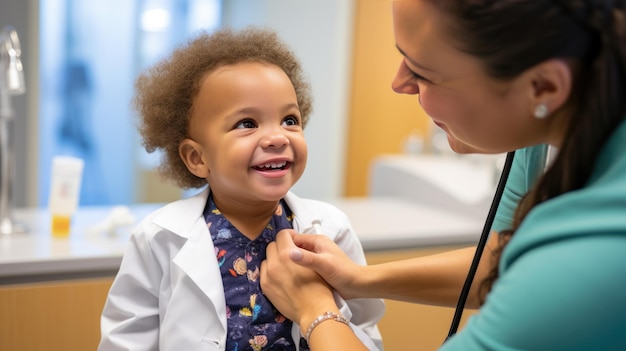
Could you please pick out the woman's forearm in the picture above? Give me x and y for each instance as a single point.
(433, 280)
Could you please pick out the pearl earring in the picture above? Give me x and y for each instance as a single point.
(541, 111)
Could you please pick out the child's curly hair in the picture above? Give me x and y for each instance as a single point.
(165, 92)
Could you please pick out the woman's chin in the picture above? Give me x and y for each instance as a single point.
(458, 147)
(461, 147)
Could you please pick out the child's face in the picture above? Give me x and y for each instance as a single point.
(246, 133)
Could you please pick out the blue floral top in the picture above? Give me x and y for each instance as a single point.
(252, 321)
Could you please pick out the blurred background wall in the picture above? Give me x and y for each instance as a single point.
(81, 59)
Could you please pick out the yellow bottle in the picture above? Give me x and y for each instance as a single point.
(64, 193)
(60, 226)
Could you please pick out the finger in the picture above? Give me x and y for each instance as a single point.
(271, 251)
(284, 239)
(296, 254)
(263, 273)
(312, 258)
(270, 255)
(284, 242)
(265, 278)
(317, 243)
(310, 242)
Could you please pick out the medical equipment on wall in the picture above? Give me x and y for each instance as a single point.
(11, 83)
(481, 245)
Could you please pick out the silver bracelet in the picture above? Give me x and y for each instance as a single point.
(325, 317)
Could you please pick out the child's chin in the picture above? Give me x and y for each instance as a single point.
(272, 195)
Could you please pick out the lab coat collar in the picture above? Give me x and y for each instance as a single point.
(304, 214)
(181, 217)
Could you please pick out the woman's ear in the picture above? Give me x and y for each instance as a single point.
(191, 154)
(551, 85)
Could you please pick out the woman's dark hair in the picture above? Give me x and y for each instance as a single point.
(165, 92)
(511, 36)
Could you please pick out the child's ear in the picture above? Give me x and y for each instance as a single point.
(191, 154)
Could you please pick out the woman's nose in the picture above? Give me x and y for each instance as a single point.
(404, 82)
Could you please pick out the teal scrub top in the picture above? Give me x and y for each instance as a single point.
(562, 282)
(528, 166)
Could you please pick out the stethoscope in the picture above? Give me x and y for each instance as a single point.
(481, 245)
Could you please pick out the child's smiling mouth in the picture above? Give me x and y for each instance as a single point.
(273, 166)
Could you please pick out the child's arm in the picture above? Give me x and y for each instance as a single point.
(130, 319)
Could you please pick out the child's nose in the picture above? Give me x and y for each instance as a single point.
(274, 139)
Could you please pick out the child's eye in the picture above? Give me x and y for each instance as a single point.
(246, 123)
(291, 121)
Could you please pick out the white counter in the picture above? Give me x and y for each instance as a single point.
(389, 224)
(380, 223)
(36, 255)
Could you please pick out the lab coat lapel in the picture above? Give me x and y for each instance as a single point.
(196, 258)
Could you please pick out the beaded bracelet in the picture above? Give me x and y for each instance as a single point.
(325, 317)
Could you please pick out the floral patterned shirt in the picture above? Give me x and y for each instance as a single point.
(252, 321)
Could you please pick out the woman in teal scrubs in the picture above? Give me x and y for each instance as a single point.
(546, 78)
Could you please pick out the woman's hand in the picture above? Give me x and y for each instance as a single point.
(302, 295)
(297, 292)
(321, 254)
(432, 280)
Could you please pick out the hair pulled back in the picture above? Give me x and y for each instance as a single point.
(165, 92)
(511, 36)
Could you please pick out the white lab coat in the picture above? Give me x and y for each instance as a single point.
(168, 293)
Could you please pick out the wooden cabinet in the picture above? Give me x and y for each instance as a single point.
(51, 316)
(407, 326)
(65, 315)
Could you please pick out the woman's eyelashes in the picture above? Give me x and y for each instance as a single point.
(418, 77)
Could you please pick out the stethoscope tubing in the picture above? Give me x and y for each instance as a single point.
(454, 326)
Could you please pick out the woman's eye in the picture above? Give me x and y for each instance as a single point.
(246, 123)
(418, 77)
(291, 121)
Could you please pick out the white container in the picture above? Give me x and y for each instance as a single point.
(67, 174)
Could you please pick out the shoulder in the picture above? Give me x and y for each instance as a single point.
(529, 164)
(527, 167)
(333, 221)
(597, 209)
(180, 218)
(559, 281)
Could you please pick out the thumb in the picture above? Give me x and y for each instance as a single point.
(304, 257)
(296, 255)
(307, 258)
